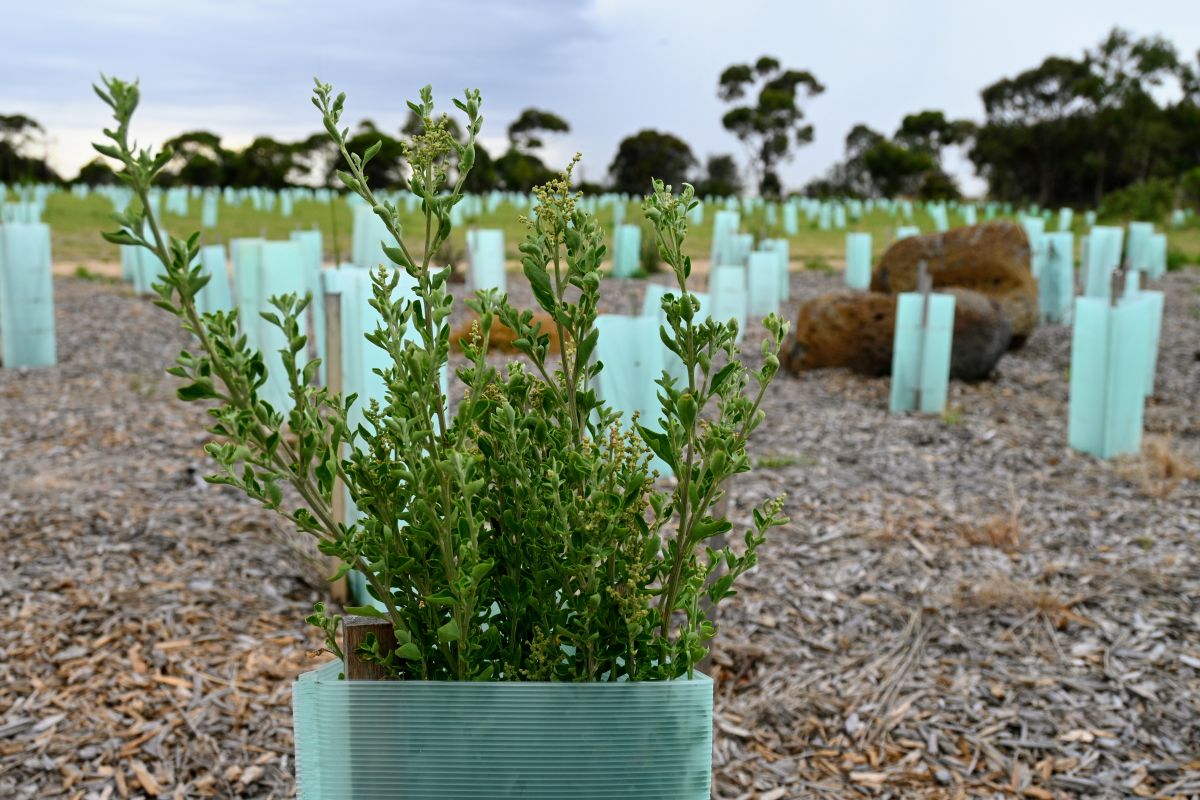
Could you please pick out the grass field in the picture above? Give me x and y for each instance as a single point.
(76, 223)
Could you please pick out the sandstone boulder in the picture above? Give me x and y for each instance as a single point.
(992, 258)
(502, 337)
(855, 330)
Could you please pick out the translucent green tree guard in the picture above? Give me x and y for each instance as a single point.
(149, 269)
(1110, 347)
(27, 335)
(1157, 256)
(627, 244)
(485, 254)
(208, 210)
(1056, 286)
(1101, 256)
(727, 291)
(282, 270)
(941, 220)
(905, 231)
(365, 238)
(781, 250)
(1035, 232)
(791, 220)
(921, 352)
(313, 245)
(444, 740)
(1155, 301)
(763, 284)
(725, 226)
(129, 261)
(215, 296)
(1066, 217)
(634, 358)
(858, 260)
(742, 245)
(1137, 248)
(247, 258)
(360, 358)
(839, 216)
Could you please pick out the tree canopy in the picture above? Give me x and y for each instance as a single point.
(647, 155)
(771, 124)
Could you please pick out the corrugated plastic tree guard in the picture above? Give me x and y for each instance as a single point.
(742, 245)
(1138, 245)
(1101, 257)
(1056, 286)
(858, 260)
(281, 271)
(905, 231)
(627, 245)
(781, 250)
(1065, 217)
(763, 284)
(215, 296)
(970, 215)
(26, 296)
(1157, 256)
(1035, 231)
(725, 225)
(247, 258)
(313, 245)
(634, 357)
(727, 292)
(149, 270)
(360, 358)
(208, 210)
(791, 220)
(451, 740)
(1155, 299)
(129, 261)
(941, 220)
(921, 353)
(369, 231)
(485, 254)
(1109, 351)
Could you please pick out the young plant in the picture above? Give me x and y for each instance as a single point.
(522, 537)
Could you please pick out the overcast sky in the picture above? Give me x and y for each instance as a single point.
(610, 67)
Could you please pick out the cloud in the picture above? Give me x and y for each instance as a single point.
(610, 67)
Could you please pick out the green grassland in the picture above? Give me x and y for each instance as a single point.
(76, 224)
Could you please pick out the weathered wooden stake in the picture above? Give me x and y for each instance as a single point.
(339, 590)
(354, 633)
(924, 287)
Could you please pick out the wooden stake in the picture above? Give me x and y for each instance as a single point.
(924, 287)
(1118, 284)
(354, 633)
(339, 590)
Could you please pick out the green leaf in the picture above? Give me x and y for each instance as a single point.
(450, 632)
(539, 282)
(659, 443)
(409, 652)
(195, 391)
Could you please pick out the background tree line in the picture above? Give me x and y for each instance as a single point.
(1118, 126)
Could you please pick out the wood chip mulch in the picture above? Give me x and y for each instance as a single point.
(960, 607)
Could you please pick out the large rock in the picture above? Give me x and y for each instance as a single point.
(855, 330)
(501, 338)
(992, 259)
